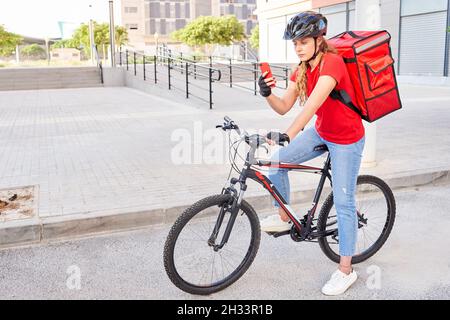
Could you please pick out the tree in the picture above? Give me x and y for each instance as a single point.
(254, 37)
(8, 41)
(33, 51)
(80, 38)
(65, 43)
(208, 30)
(121, 35)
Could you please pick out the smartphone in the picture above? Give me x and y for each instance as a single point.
(264, 66)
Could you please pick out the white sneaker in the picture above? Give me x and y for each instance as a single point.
(339, 283)
(274, 223)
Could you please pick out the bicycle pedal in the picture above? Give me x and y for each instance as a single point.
(279, 234)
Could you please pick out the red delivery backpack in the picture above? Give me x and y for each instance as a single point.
(369, 62)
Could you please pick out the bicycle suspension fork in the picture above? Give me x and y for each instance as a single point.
(232, 208)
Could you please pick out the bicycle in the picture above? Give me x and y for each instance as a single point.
(209, 222)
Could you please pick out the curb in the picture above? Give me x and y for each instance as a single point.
(42, 230)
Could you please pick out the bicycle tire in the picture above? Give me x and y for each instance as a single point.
(387, 228)
(180, 223)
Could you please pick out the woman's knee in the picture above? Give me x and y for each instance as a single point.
(344, 202)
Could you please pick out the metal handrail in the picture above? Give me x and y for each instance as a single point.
(230, 66)
(208, 56)
(99, 62)
(177, 64)
(214, 70)
(183, 57)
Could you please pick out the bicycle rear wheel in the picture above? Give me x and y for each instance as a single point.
(375, 206)
(190, 260)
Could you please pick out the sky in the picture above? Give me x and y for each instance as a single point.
(39, 18)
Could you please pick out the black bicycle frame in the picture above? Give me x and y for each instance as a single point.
(268, 185)
(257, 176)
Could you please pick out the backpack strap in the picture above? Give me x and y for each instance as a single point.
(343, 97)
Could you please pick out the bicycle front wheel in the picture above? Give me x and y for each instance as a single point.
(192, 259)
(375, 207)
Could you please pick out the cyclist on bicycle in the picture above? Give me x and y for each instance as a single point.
(320, 71)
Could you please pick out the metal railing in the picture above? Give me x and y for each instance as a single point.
(230, 64)
(151, 66)
(99, 63)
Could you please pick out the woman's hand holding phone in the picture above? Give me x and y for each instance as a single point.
(266, 80)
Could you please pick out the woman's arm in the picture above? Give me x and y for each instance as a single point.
(321, 91)
(284, 104)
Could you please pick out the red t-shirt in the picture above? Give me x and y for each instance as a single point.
(335, 122)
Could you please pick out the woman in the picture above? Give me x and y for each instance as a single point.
(320, 71)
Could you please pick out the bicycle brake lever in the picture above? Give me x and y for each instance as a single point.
(267, 150)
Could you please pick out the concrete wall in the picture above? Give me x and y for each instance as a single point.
(113, 77)
(136, 37)
(390, 20)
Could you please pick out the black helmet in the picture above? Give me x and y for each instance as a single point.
(306, 24)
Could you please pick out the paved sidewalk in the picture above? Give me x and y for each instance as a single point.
(101, 157)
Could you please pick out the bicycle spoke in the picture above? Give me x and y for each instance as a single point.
(221, 262)
(187, 239)
(234, 255)
(230, 263)
(212, 268)
(371, 234)
(200, 237)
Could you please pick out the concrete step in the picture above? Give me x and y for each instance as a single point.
(95, 78)
(49, 78)
(53, 86)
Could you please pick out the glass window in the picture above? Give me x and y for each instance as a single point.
(238, 12)
(249, 26)
(131, 9)
(170, 26)
(177, 10)
(410, 7)
(244, 12)
(180, 23)
(155, 10)
(337, 23)
(187, 10)
(333, 9)
(167, 4)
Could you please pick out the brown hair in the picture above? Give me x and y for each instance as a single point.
(301, 70)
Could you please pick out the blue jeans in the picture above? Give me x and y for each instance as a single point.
(345, 163)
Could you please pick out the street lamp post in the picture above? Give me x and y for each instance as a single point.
(91, 34)
(156, 36)
(47, 51)
(112, 34)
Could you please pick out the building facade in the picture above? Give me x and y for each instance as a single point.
(243, 10)
(149, 21)
(420, 41)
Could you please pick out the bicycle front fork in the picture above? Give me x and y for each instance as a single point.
(233, 208)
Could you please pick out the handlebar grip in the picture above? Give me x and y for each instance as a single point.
(226, 118)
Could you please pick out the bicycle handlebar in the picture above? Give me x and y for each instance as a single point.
(253, 140)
